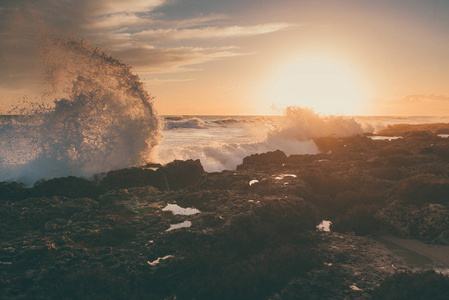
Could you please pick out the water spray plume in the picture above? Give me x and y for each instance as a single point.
(101, 117)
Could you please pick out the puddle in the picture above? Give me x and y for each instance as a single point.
(184, 224)
(253, 181)
(384, 138)
(282, 176)
(354, 288)
(324, 226)
(157, 261)
(416, 254)
(178, 210)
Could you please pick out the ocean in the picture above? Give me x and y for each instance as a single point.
(38, 147)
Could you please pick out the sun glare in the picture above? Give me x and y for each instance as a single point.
(322, 84)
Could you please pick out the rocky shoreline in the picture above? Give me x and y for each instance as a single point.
(177, 232)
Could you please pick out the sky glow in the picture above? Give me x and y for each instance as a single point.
(243, 57)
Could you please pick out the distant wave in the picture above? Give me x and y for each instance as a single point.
(230, 121)
(183, 123)
(173, 118)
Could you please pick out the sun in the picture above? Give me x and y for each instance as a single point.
(323, 84)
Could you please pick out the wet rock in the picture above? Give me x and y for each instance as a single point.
(225, 180)
(359, 219)
(71, 187)
(181, 174)
(413, 285)
(419, 135)
(348, 260)
(428, 223)
(401, 129)
(326, 144)
(33, 213)
(133, 177)
(13, 191)
(268, 158)
(441, 151)
(422, 189)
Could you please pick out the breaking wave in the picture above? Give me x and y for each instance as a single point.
(103, 118)
(179, 122)
(229, 121)
(292, 133)
(302, 124)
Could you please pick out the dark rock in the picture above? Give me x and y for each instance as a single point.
(441, 151)
(427, 223)
(151, 166)
(13, 191)
(418, 135)
(35, 212)
(181, 174)
(225, 180)
(133, 177)
(326, 144)
(422, 189)
(360, 220)
(71, 187)
(414, 285)
(268, 158)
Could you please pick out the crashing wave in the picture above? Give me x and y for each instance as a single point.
(301, 124)
(104, 121)
(184, 123)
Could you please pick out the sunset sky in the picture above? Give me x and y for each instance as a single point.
(245, 56)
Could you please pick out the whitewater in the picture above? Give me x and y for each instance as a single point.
(221, 142)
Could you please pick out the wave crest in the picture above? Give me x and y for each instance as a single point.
(184, 123)
(302, 124)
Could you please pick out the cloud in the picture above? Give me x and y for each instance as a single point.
(116, 21)
(160, 81)
(104, 7)
(162, 60)
(79, 15)
(138, 22)
(134, 31)
(176, 34)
